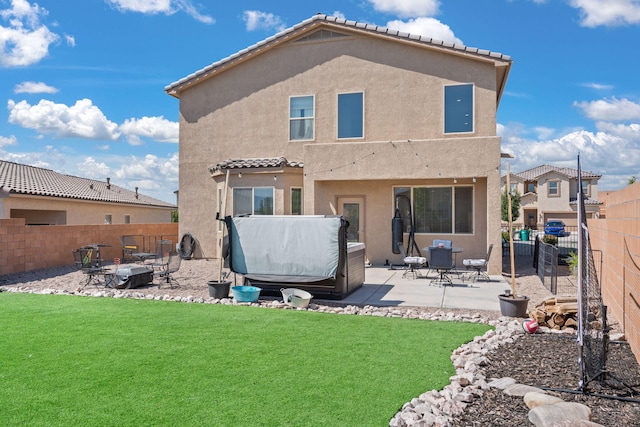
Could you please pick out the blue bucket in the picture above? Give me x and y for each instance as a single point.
(245, 293)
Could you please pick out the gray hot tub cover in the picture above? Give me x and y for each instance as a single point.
(305, 247)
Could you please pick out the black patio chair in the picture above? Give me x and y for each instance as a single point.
(441, 260)
(87, 261)
(166, 271)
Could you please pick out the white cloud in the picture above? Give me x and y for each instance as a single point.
(82, 120)
(71, 41)
(610, 13)
(8, 140)
(428, 27)
(25, 40)
(257, 20)
(407, 8)
(339, 15)
(151, 174)
(156, 128)
(168, 7)
(90, 168)
(613, 151)
(597, 86)
(610, 109)
(34, 87)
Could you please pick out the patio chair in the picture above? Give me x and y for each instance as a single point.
(414, 263)
(172, 266)
(86, 260)
(163, 249)
(479, 266)
(129, 247)
(441, 260)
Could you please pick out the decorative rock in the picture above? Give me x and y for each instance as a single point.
(521, 390)
(502, 383)
(534, 399)
(550, 415)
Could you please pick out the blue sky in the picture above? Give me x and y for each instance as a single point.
(83, 80)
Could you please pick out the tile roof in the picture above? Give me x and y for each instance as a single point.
(361, 26)
(534, 173)
(270, 162)
(23, 179)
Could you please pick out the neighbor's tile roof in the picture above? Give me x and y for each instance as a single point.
(271, 162)
(24, 179)
(354, 25)
(535, 173)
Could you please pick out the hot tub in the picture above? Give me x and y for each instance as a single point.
(306, 252)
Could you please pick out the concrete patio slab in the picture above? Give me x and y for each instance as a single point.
(387, 287)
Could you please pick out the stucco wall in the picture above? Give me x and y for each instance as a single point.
(244, 113)
(78, 212)
(618, 237)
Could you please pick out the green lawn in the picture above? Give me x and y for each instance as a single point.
(67, 360)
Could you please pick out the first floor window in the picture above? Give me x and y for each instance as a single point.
(296, 201)
(253, 201)
(438, 210)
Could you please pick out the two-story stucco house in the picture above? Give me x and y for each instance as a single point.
(337, 117)
(549, 192)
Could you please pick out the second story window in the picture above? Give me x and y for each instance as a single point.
(554, 189)
(301, 118)
(531, 187)
(585, 188)
(351, 115)
(458, 108)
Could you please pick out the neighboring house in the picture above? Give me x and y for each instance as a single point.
(44, 197)
(548, 192)
(339, 117)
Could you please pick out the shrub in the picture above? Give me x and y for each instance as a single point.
(551, 240)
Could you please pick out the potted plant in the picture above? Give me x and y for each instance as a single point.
(511, 304)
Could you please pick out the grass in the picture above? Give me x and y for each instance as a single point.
(68, 360)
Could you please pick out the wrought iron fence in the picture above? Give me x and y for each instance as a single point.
(524, 240)
(547, 265)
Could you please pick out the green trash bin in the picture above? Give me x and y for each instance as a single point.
(524, 234)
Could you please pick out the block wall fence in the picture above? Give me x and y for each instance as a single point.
(618, 237)
(25, 248)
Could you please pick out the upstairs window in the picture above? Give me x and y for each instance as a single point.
(301, 118)
(585, 188)
(553, 189)
(458, 108)
(351, 115)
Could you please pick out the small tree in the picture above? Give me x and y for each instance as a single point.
(174, 216)
(515, 205)
(632, 180)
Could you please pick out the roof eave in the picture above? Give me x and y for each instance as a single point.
(500, 60)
